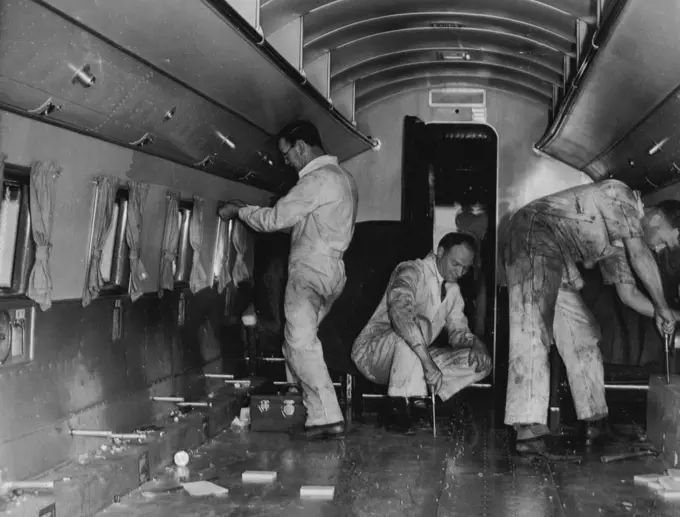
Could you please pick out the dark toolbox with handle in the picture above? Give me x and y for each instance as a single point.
(275, 412)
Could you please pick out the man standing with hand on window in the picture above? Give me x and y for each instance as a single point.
(321, 210)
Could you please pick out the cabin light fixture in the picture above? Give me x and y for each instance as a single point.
(265, 158)
(46, 108)
(145, 140)
(455, 56)
(657, 147)
(82, 76)
(169, 114)
(225, 140)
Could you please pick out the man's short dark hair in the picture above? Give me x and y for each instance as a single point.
(670, 208)
(456, 239)
(302, 130)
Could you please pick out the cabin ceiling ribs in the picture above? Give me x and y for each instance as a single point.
(384, 47)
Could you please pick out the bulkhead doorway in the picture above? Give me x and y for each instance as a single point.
(450, 178)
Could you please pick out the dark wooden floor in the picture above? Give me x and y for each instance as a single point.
(472, 473)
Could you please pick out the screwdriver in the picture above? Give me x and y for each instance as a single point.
(434, 416)
(668, 340)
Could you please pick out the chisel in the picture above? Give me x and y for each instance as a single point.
(668, 340)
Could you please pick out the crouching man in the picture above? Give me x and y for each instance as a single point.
(422, 298)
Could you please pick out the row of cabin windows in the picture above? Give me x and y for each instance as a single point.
(17, 247)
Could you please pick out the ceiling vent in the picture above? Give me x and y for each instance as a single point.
(447, 25)
(454, 55)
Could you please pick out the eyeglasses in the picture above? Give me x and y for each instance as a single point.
(285, 155)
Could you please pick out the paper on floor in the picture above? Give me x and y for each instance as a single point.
(202, 488)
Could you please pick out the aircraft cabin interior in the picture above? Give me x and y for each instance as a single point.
(319, 258)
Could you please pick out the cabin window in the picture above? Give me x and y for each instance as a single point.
(17, 248)
(181, 268)
(114, 266)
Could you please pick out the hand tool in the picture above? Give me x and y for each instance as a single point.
(434, 415)
(668, 342)
(626, 455)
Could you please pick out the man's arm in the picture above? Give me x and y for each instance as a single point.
(635, 299)
(300, 201)
(401, 309)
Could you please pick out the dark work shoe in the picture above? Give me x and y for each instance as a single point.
(324, 432)
(398, 416)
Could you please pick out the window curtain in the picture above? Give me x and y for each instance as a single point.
(224, 277)
(105, 198)
(243, 242)
(133, 234)
(166, 278)
(3, 158)
(199, 278)
(44, 177)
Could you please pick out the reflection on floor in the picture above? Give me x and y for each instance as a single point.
(470, 474)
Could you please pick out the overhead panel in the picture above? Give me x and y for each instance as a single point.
(227, 92)
(69, 77)
(632, 69)
(343, 100)
(318, 73)
(288, 42)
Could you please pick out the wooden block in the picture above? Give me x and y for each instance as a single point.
(663, 416)
(668, 483)
(670, 495)
(645, 479)
(317, 492)
(258, 476)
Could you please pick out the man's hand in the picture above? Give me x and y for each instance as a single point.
(479, 358)
(433, 376)
(230, 210)
(664, 320)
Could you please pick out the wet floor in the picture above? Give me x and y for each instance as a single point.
(375, 473)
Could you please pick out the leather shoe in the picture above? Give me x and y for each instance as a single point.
(325, 431)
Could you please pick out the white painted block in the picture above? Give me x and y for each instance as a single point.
(317, 492)
(258, 476)
(645, 479)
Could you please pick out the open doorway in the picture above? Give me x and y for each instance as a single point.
(450, 178)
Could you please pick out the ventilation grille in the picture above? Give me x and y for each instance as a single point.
(457, 98)
(447, 25)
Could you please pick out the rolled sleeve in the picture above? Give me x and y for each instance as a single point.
(303, 198)
(401, 303)
(616, 270)
(621, 210)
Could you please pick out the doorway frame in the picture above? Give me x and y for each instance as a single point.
(494, 374)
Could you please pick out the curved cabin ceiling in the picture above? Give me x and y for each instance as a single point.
(388, 46)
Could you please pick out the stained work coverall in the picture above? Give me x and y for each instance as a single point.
(383, 351)
(546, 239)
(321, 209)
